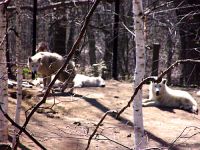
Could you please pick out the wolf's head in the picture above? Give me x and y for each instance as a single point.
(34, 64)
(158, 88)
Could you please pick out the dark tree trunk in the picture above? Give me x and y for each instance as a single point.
(71, 34)
(115, 43)
(59, 39)
(169, 57)
(108, 54)
(9, 65)
(155, 59)
(108, 36)
(92, 48)
(190, 42)
(34, 30)
(34, 26)
(70, 31)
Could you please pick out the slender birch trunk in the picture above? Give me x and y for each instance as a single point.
(140, 140)
(3, 78)
(19, 72)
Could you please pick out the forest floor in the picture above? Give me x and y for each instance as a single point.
(72, 119)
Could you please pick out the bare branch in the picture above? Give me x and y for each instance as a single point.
(55, 5)
(116, 142)
(94, 132)
(132, 33)
(172, 144)
(20, 128)
(6, 34)
(4, 37)
(4, 2)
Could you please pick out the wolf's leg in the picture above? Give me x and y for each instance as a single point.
(148, 103)
(68, 85)
(46, 81)
(68, 82)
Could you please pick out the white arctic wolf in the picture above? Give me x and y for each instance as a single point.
(81, 80)
(47, 64)
(161, 95)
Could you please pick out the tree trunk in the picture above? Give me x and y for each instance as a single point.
(115, 42)
(19, 70)
(108, 54)
(108, 36)
(169, 56)
(9, 65)
(3, 78)
(70, 31)
(140, 141)
(92, 44)
(155, 59)
(34, 27)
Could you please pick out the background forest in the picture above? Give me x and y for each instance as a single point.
(172, 27)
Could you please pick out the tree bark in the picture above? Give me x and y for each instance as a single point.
(19, 70)
(3, 77)
(70, 31)
(34, 27)
(155, 59)
(92, 44)
(169, 57)
(140, 141)
(34, 31)
(115, 42)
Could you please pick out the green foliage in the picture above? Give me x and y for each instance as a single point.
(26, 73)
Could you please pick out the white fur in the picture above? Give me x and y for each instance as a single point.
(161, 95)
(38, 82)
(198, 93)
(86, 81)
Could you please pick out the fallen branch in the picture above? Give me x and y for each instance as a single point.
(98, 125)
(172, 144)
(107, 138)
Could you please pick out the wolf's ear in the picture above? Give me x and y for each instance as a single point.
(164, 81)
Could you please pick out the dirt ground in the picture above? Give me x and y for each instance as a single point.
(65, 122)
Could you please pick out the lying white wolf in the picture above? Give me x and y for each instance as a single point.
(86, 81)
(161, 95)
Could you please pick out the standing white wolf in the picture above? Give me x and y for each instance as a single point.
(161, 95)
(47, 64)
